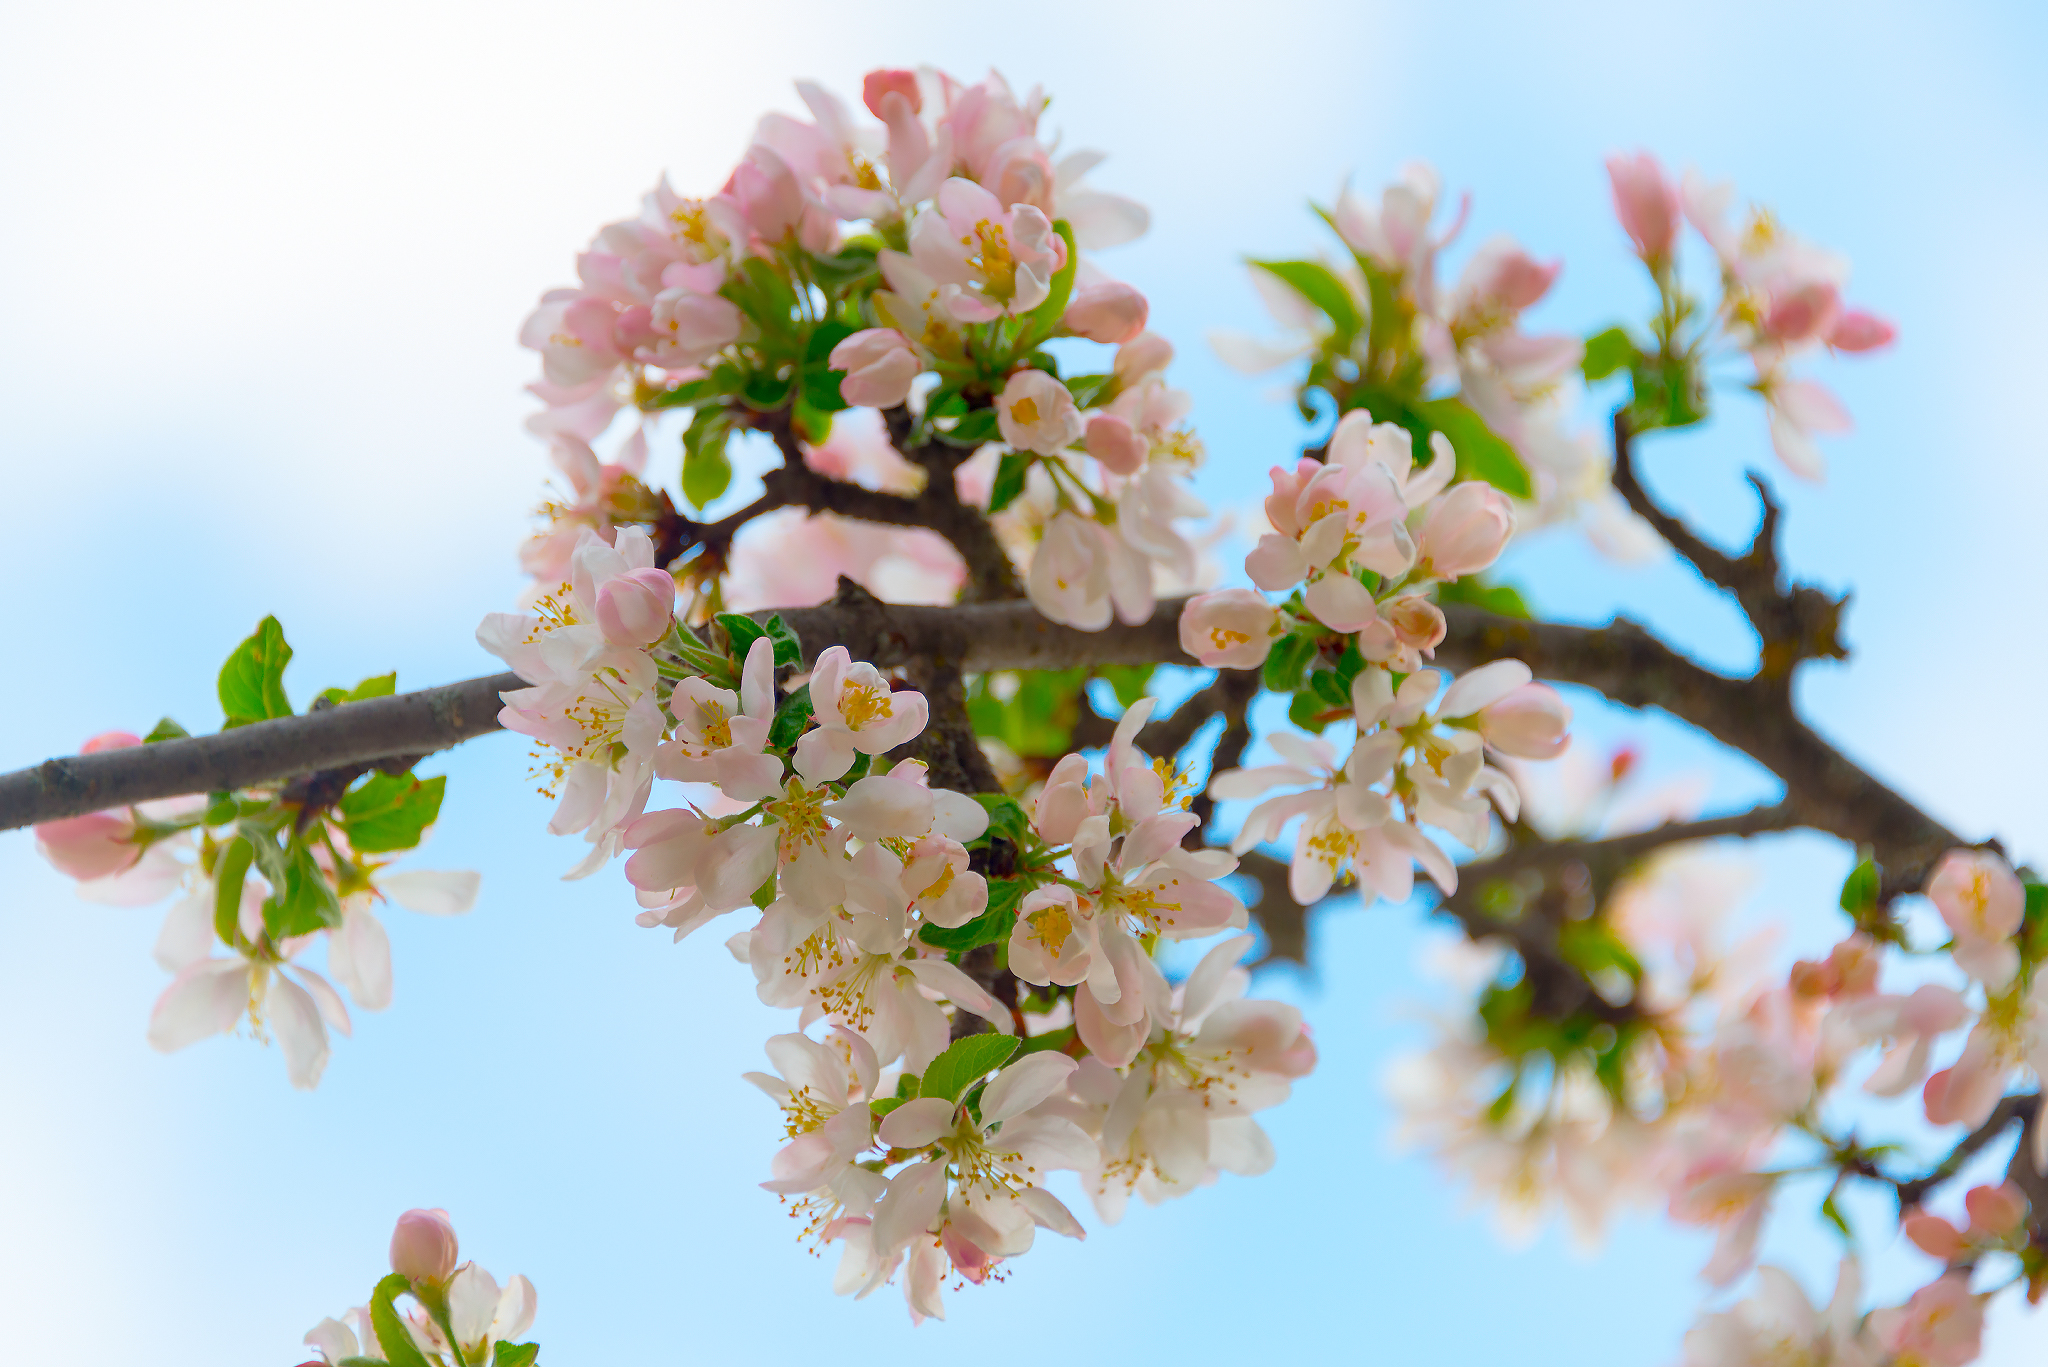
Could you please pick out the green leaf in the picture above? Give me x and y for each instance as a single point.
(764, 295)
(514, 1354)
(764, 895)
(165, 729)
(1009, 480)
(741, 632)
(230, 871)
(1833, 1214)
(1037, 718)
(392, 1335)
(1044, 320)
(788, 649)
(693, 393)
(304, 902)
(991, 927)
(1051, 1039)
(824, 337)
(1127, 681)
(1288, 661)
(966, 1062)
(977, 428)
(360, 1361)
(792, 719)
(270, 861)
(1860, 888)
(252, 680)
(706, 471)
(1006, 818)
(389, 811)
(377, 686)
(1314, 282)
(1502, 599)
(1481, 453)
(1328, 688)
(1087, 388)
(1306, 712)
(1606, 353)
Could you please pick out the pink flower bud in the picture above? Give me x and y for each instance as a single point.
(1532, 722)
(635, 608)
(1115, 443)
(1466, 529)
(1111, 312)
(109, 740)
(1996, 1212)
(879, 366)
(1934, 1236)
(768, 194)
(1855, 330)
(1645, 202)
(889, 81)
(1035, 412)
(423, 1246)
(1417, 623)
(1141, 356)
(89, 846)
(1803, 314)
(1230, 629)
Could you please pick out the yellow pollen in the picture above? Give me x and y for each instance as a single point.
(1024, 411)
(861, 705)
(1050, 926)
(1222, 638)
(939, 884)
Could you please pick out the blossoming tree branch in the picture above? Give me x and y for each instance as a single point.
(893, 730)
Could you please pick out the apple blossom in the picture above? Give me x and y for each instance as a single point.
(879, 366)
(1230, 629)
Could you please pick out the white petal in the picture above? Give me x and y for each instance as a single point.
(432, 892)
(1024, 1084)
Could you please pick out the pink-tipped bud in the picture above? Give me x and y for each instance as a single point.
(423, 1247)
(635, 608)
(1141, 356)
(889, 81)
(879, 366)
(1466, 529)
(1996, 1212)
(1417, 623)
(109, 740)
(1856, 330)
(1112, 313)
(1229, 629)
(1645, 202)
(1115, 443)
(1532, 722)
(1804, 313)
(90, 846)
(1934, 1236)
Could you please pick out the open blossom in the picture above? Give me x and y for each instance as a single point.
(1465, 531)
(1083, 572)
(1035, 412)
(857, 713)
(989, 259)
(993, 1204)
(1230, 629)
(1982, 903)
(1941, 1326)
(1110, 312)
(879, 366)
(1646, 202)
(719, 735)
(1778, 1327)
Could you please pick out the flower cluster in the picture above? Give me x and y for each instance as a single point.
(1364, 539)
(1684, 1084)
(1780, 299)
(459, 1313)
(918, 264)
(262, 876)
(796, 801)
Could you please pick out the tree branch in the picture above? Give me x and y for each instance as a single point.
(1755, 715)
(2008, 1110)
(990, 576)
(1793, 624)
(1827, 790)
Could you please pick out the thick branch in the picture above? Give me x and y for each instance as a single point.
(356, 733)
(1793, 624)
(990, 576)
(2009, 1110)
(1827, 790)
(1618, 851)
(972, 638)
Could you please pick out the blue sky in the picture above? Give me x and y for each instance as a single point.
(265, 265)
